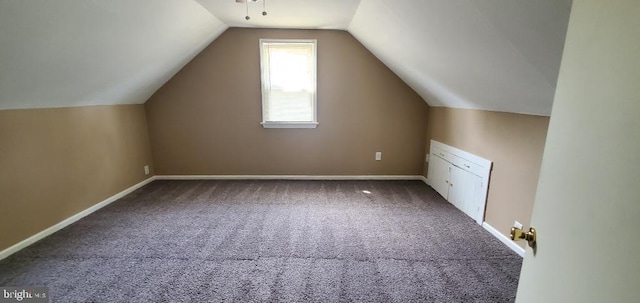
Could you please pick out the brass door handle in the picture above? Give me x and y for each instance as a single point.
(519, 234)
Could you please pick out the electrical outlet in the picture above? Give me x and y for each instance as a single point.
(146, 169)
(378, 156)
(517, 224)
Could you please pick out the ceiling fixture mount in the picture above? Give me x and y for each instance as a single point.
(246, 2)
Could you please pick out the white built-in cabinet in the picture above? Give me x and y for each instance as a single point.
(460, 177)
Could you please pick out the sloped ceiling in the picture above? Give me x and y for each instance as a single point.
(501, 55)
(96, 52)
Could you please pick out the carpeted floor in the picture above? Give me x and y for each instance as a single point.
(271, 241)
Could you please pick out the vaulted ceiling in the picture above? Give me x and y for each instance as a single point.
(501, 55)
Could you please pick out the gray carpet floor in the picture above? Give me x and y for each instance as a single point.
(271, 241)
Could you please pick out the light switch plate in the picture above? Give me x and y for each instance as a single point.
(517, 224)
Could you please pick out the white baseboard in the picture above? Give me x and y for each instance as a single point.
(289, 177)
(425, 180)
(15, 248)
(504, 239)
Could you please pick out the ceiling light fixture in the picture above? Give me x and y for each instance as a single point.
(246, 2)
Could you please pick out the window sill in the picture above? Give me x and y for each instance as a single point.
(270, 124)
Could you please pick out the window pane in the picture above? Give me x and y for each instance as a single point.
(290, 71)
(289, 106)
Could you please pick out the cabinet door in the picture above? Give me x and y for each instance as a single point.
(458, 189)
(475, 207)
(465, 193)
(439, 175)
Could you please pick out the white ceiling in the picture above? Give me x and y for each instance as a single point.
(501, 55)
(323, 14)
(79, 52)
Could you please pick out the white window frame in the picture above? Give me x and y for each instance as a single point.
(263, 75)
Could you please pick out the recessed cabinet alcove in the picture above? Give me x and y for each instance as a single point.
(460, 177)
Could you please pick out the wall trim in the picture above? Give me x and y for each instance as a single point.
(68, 221)
(425, 180)
(504, 239)
(289, 177)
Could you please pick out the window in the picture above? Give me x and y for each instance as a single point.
(288, 83)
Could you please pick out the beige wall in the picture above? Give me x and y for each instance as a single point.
(58, 162)
(205, 121)
(514, 143)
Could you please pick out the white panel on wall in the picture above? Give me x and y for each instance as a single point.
(460, 177)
